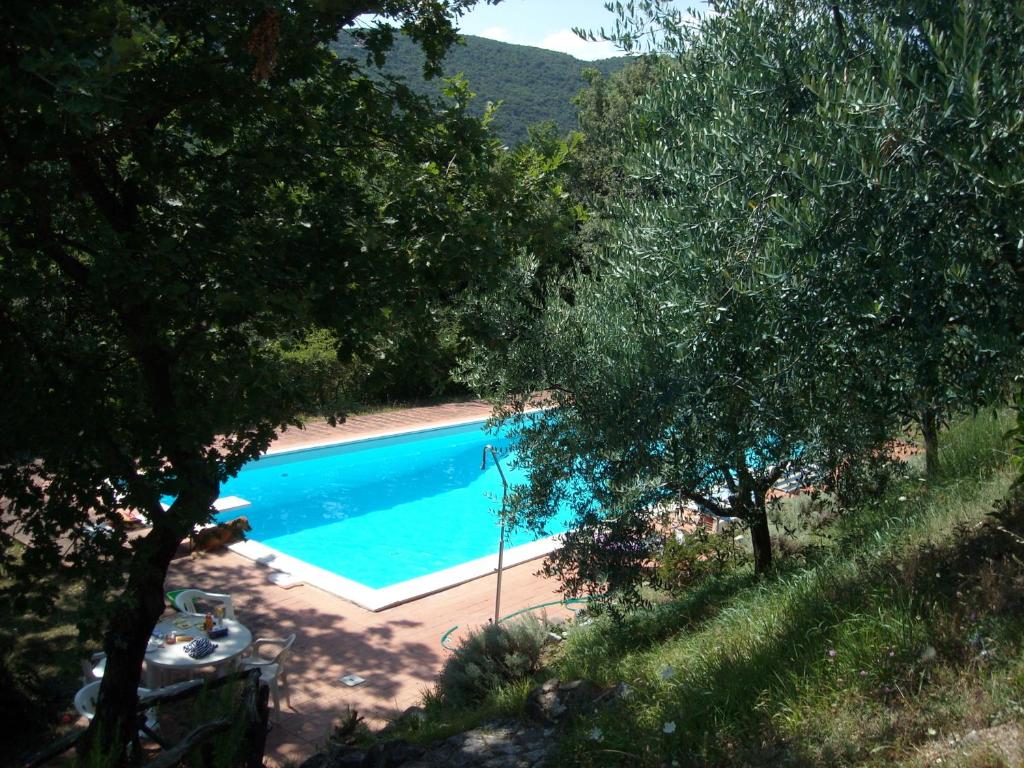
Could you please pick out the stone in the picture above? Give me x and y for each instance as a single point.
(392, 754)
(536, 755)
(496, 744)
(556, 701)
(577, 697)
(336, 757)
(351, 758)
(544, 704)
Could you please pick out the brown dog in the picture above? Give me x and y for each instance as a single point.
(217, 536)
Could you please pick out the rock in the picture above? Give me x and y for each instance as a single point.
(352, 758)
(337, 757)
(578, 697)
(497, 744)
(544, 705)
(392, 754)
(537, 754)
(555, 701)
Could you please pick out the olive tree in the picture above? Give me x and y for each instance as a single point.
(918, 169)
(691, 366)
(808, 256)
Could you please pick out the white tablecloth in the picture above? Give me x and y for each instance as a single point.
(163, 661)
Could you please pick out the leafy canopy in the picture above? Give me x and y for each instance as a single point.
(195, 201)
(800, 258)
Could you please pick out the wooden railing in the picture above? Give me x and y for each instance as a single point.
(256, 712)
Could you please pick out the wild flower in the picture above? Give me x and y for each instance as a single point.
(596, 734)
(831, 653)
(667, 672)
(668, 728)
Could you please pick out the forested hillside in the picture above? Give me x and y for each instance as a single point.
(534, 85)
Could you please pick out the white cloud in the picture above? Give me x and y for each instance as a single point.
(497, 33)
(567, 41)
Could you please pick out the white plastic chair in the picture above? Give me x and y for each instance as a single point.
(85, 703)
(94, 667)
(271, 669)
(185, 601)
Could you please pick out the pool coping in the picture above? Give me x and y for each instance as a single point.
(405, 591)
(396, 594)
(376, 435)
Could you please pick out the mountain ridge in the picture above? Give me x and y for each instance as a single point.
(534, 85)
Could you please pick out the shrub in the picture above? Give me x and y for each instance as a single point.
(228, 748)
(687, 562)
(496, 655)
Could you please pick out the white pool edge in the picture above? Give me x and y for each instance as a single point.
(396, 594)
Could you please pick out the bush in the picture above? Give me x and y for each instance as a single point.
(496, 655)
(687, 562)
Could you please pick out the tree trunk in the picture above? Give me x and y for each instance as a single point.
(760, 535)
(114, 726)
(930, 433)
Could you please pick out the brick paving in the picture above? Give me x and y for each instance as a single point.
(387, 422)
(397, 650)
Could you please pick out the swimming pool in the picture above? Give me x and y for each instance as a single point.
(382, 520)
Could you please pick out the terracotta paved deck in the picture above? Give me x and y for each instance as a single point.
(320, 432)
(397, 650)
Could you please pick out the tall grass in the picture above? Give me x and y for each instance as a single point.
(815, 664)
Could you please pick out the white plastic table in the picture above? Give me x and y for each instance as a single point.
(163, 661)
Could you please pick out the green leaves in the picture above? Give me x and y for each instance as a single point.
(191, 196)
(806, 243)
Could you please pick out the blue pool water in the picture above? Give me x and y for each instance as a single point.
(382, 511)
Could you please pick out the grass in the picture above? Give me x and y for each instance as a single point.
(898, 627)
(39, 669)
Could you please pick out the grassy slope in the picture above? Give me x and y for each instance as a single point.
(39, 673)
(901, 629)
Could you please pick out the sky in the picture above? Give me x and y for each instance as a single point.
(549, 23)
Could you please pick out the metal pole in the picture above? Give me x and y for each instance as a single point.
(501, 540)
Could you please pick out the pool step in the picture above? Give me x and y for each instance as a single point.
(228, 503)
(223, 504)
